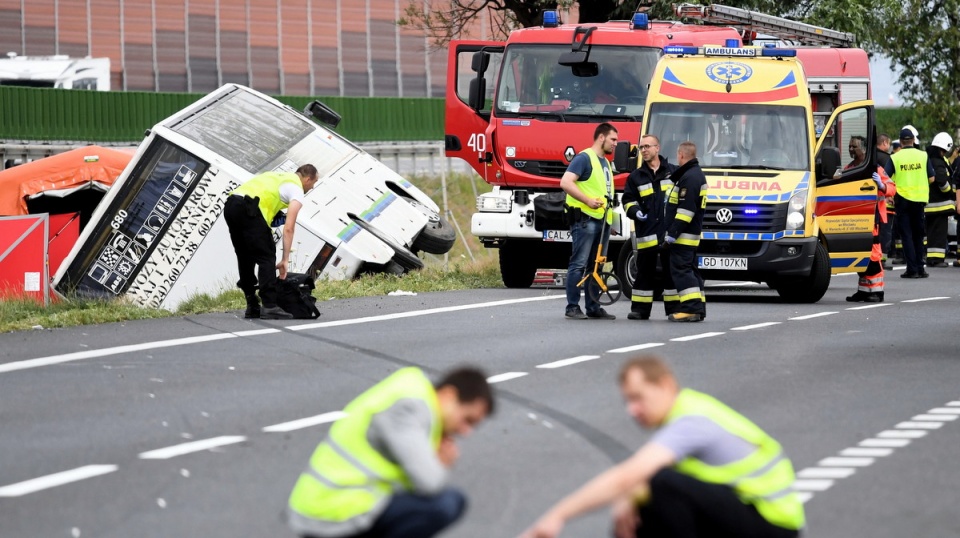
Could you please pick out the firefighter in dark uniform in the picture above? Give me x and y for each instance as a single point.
(684, 221)
(942, 201)
(643, 200)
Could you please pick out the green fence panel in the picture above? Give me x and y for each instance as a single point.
(49, 114)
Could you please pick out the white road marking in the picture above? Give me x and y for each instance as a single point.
(256, 332)
(829, 472)
(902, 434)
(695, 337)
(305, 422)
(938, 418)
(869, 452)
(811, 316)
(417, 313)
(568, 362)
(193, 446)
(637, 347)
(812, 485)
(756, 326)
(54, 480)
(891, 443)
(505, 377)
(865, 307)
(845, 462)
(95, 353)
(918, 425)
(954, 404)
(804, 496)
(944, 411)
(924, 299)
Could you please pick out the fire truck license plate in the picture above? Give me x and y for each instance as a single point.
(558, 236)
(735, 264)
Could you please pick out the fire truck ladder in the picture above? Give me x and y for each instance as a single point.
(786, 29)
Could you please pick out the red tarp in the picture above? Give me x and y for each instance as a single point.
(68, 170)
(23, 261)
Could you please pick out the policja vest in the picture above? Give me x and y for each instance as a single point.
(763, 479)
(910, 174)
(348, 483)
(598, 185)
(266, 187)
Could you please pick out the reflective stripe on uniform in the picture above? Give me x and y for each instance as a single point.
(642, 296)
(690, 240)
(646, 189)
(647, 241)
(936, 207)
(685, 215)
(690, 294)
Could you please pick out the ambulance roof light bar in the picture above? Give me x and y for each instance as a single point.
(780, 27)
(731, 50)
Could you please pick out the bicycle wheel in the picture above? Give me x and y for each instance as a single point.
(613, 292)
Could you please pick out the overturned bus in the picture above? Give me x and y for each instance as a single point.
(158, 238)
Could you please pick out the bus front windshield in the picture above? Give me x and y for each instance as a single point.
(734, 135)
(533, 83)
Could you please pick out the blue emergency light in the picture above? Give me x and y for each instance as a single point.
(551, 19)
(751, 211)
(681, 50)
(779, 53)
(732, 43)
(640, 21)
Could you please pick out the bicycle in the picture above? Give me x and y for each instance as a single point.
(608, 289)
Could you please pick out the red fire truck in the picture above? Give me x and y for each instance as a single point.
(519, 111)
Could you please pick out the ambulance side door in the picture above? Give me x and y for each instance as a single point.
(846, 196)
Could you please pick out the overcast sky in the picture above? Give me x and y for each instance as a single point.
(886, 88)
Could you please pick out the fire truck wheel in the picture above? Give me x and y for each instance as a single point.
(402, 255)
(437, 237)
(518, 267)
(809, 289)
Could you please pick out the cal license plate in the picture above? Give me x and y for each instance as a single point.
(557, 236)
(729, 264)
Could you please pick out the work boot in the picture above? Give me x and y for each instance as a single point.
(574, 312)
(274, 312)
(253, 307)
(858, 297)
(638, 316)
(600, 314)
(684, 317)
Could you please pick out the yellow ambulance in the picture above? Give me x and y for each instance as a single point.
(787, 205)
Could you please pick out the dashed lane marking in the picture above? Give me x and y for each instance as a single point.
(902, 434)
(325, 418)
(866, 452)
(869, 306)
(887, 443)
(756, 326)
(811, 316)
(637, 347)
(193, 446)
(939, 418)
(924, 299)
(812, 485)
(56, 479)
(924, 425)
(695, 337)
(568, 362)
(945, 410)
(505, 377)
(828, 472)
(835, 461)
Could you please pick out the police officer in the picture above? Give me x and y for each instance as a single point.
(942, 201)
(643, 201)
(707, 471)
(684, 220)
(912, 173)
(249, 211)
(382, 471)
(588, 183)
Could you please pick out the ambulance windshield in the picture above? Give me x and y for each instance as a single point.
(532, 83)
(734, 135)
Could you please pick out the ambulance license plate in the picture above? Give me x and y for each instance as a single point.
(730, 264)
(557, 236)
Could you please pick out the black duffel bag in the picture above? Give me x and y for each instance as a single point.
(294, 294)
(550, 212)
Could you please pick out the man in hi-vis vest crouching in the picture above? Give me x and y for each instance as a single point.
(382, 472)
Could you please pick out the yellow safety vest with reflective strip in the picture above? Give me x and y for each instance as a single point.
(910, 174)
(347, 478)
(763, 479)
(266, 187)
(598, 185)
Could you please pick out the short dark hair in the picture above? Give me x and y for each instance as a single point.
(883, 138)
(308, 171)
(471, 384)
(603, 129)
(861, 140)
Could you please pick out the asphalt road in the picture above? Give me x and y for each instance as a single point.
(191, 426)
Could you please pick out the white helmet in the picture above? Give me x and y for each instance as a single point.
(916, 134)
(943, 141)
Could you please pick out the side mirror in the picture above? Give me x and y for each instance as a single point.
(480, 62)
(586, 69)
(478, 92)
(624, 157)
(573, 58)
(828, 164)
(322, 113)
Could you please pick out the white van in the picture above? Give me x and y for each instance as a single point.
(157, 237)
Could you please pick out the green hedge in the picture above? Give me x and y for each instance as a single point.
(90, 116)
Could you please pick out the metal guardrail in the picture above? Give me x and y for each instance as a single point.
(422, 158)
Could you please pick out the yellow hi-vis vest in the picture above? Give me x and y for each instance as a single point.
(763, 479)
(910, 174)
(347, 482)
(266, 187)
(598, 185)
